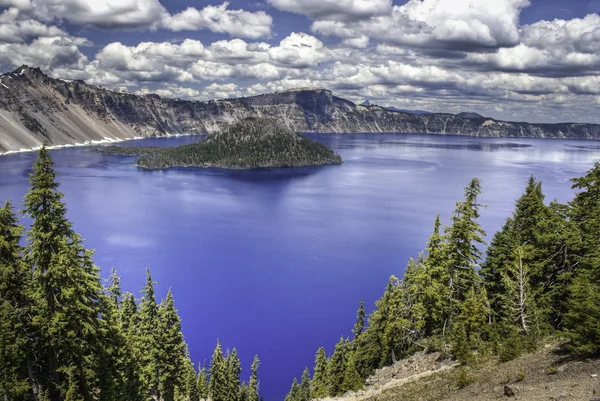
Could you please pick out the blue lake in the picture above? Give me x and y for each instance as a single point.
(274, 262)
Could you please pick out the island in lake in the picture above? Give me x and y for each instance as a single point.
(250, 143)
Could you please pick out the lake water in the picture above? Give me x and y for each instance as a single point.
(275, 262)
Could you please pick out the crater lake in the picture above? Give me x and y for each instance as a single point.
(275, 262)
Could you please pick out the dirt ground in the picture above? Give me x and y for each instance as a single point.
(548, 374)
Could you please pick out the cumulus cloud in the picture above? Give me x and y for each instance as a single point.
(14, 29)
(553, 48)
(335, 9)
(45, 52)
(102, 13)
(459, 24)
(146, 14)
(239, 23)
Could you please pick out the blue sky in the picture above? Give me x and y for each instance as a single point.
(532, 60)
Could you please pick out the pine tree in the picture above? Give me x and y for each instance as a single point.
(67, 290)
(359, 326)
(132, 371)
(148, 341)
(190, 388)
(234, 369)
(320, 382)
(15, 293)
(294, 394)
(217, 387)
(463, 255)
(171, 349)
(583, 316)
(202, 382)
(305, 385)
(352, 379)
(336, 368)
(254, 383)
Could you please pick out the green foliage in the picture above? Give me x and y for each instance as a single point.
(361, 314)
(254, 384)
(582, 323)
(218, 385)
(320, 382)
(336, 368)
(63, 336)
(202, 382)
(251, 143)
(15, 293)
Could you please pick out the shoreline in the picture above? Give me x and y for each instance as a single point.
(103, 141)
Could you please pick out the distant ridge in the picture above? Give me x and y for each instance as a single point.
(36, 109)
(469, 115)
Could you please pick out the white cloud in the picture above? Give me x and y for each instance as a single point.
(299, 50)
(102, 13)
(14, 29)
(239, 23)
(44, 52)
(457, 24)
(335, 9)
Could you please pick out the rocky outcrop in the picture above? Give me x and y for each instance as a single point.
(36, 109)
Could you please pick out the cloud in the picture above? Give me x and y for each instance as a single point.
(551, 48)
(471, 25)
(239, 23)
(146, 14)
(14, 29)
(45, 52)
(102, 13)
(341, 10)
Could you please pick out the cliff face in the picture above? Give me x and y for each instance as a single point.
(36, 109)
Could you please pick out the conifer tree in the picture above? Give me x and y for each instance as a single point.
(320, 382)
(234, 369)
(148, 341)
(336, 368)
(67, 290)
(463, 255)
(202, 382)
(15, 293)
(294, 394)
(583, 316)
(359, 326)
(352, 379)
(171, 349)
(189, 389)
(217, 387)
(129, 326)
(254, 382)
(305, 385)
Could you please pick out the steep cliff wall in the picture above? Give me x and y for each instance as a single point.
(36, 109)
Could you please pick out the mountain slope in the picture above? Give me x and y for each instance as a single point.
(36, 109)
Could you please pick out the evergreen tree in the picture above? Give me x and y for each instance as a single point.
(217, 387)
(234, 369)
(129, 326)
(463, 254)
(15, 292)
(336, 368)
(148, 341)
(191, 391)
(171, 349)
(320, 382)
(583, 316)
(352, 379)
(359, 326)
(202, 382)
(67, 290)
(254, 383)
(294, 394)
(305, 385)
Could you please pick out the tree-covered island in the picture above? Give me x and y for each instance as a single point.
(250, 143)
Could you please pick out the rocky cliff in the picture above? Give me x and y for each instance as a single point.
(36, 109)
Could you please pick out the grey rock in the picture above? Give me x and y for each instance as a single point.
(509, 392)
(36, 109)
